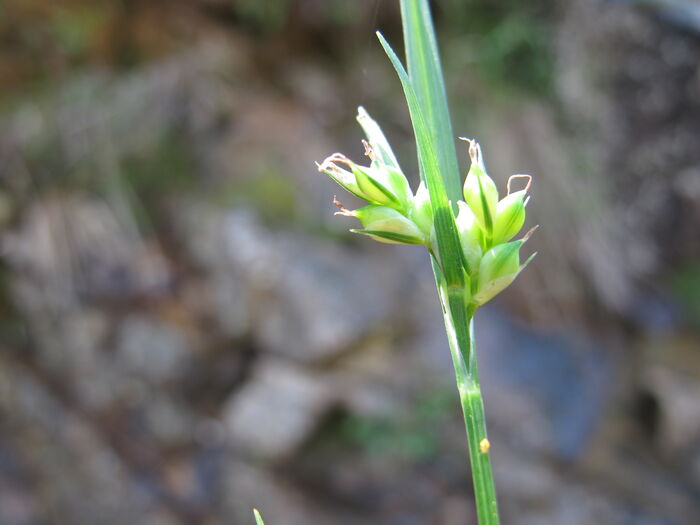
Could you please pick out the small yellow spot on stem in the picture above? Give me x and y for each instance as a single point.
(484, 445)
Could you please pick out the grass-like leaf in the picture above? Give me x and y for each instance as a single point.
(446, 230)
(425, 73)
(426, 98)
(258, 517)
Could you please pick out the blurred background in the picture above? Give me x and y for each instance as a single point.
(186, 331)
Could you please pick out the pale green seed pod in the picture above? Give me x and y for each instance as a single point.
(373, 188)
(510, 212)
(470, 236)
(480, 191)
(378, 184)
(345, 179)
(386, 225)
(499, 267)
(385, 186)
(510, 217)
(422, 211)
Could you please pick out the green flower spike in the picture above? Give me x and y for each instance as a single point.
(378, 184)
(510, 212)
(480, 191)
(499, 267)
(384, 224)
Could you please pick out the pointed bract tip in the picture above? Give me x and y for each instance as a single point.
(530, 232)
(528, 261)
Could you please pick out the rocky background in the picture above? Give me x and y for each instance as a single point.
(187, 332)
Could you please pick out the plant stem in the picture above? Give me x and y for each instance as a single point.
(459, 323)
(425, 92)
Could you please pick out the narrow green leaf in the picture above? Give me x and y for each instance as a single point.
(446, 231)
(425, 73)
(427, 155)
(510, 217)
(258, 517)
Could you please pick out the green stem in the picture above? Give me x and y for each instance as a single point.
(459, 322)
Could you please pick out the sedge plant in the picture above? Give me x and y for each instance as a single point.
(467, 228)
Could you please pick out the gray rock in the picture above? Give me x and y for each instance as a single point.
(66, 457)
(677, 394)
(167, 421)
(299, 297)
(248, 487)
(316, 299)
(72, 248)
(151, 348)
(223, 295)
(276, 410)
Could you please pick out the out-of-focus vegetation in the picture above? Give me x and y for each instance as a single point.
(509, 42)
(686, 286)
(405, 437)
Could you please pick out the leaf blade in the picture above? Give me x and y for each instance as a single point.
(425, 74)
(258, 517)
(449, 248)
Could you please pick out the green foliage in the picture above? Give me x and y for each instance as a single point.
(510, 39)
(407, 437)
(342, 12)
(75, 30)
(685, 283)
(266, 15)
(168, 167)
(268, 189)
